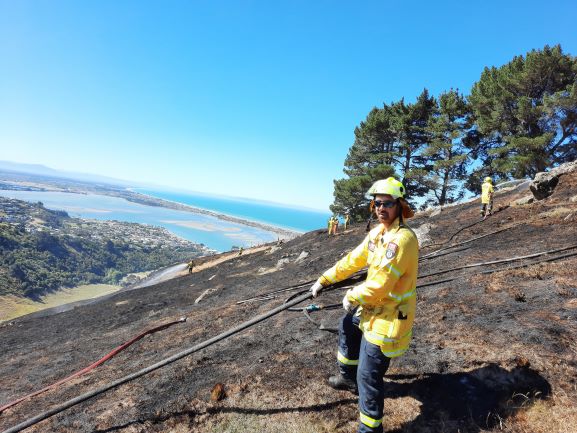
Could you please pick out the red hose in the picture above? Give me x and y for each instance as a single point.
(95, 364)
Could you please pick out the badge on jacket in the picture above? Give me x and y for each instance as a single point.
(371, 246)
(391, 250)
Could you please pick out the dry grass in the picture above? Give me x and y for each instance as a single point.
(14, 306)
(555, 213)
(257, 409)
(561, 273)
(557, 414)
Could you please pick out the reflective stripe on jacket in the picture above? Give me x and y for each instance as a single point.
(487, 192)
(388, 296)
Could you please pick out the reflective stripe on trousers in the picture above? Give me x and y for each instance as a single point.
(372, 366)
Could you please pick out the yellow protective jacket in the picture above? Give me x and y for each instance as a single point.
(487, 192)
(388, 297)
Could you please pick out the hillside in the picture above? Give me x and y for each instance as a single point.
(494, 346)
(42, 250)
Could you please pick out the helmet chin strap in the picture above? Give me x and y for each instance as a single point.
(400, 211)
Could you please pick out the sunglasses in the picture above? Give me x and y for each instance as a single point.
(386, 203)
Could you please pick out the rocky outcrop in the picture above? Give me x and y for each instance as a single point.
(545, 182)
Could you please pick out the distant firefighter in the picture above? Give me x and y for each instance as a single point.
(487, 197)
(330, 225)
(190, 266)
(347, 220)
(240, 251)
(335, 225)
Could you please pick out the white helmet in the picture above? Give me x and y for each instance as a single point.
(390, 186)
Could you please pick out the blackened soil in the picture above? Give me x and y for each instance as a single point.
(484, 335)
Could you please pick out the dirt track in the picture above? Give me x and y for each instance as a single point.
(491, 351)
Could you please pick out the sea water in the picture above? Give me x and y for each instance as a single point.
(213, 232)
(275, 214)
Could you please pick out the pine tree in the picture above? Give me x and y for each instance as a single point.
(410, 125)
(526, 112)
(368, 160)
(446, 156)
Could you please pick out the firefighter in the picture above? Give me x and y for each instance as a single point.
(380, 311)
(330, 225)
(487, 197)
(347, 220)
(335, 224)
(190, 266)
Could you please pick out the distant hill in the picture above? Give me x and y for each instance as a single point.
(493, 348)
(42, 170)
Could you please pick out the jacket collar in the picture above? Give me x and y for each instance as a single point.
(393, 227)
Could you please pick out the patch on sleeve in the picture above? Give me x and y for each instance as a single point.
(391, 250)
(371, 246)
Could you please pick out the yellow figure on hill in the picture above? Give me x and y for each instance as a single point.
(335, 225)
(347, 220)
(487, 197)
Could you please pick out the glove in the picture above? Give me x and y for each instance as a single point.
(316, 289)
(348, 305)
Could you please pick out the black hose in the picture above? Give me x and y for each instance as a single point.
(465, 242)
(271, 295)
(429, 256)
(455, 234)
(492, 271)
(464, 228)
(494, 262)
(31, 421)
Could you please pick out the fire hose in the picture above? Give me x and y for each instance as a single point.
(255, 320)
(73, 402)
(102, 360)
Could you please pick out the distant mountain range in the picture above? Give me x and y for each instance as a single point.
(42, 170)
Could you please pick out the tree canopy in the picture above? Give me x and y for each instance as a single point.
(519, 119)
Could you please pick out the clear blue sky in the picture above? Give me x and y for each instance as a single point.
(254, 99)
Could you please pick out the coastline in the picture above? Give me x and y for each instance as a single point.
(28, 182)
(149, 200)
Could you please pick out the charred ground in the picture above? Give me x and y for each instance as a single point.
(491, 351)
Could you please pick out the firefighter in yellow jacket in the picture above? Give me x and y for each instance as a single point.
(380, 311)
(330, 225)
(487, 197)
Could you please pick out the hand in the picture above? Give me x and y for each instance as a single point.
(316, 289)
(348, 305)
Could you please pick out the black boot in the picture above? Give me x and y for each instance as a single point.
(341, 382)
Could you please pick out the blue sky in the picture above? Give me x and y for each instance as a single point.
(254, 99)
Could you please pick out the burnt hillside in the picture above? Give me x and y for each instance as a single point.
(494, 345)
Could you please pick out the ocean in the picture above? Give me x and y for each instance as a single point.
(215, 233)
(279, 215)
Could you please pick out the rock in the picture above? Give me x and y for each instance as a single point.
(422, 233)
(273, 249)
(281, 263)
(523, 200)
(302, 256)
(544, 183)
